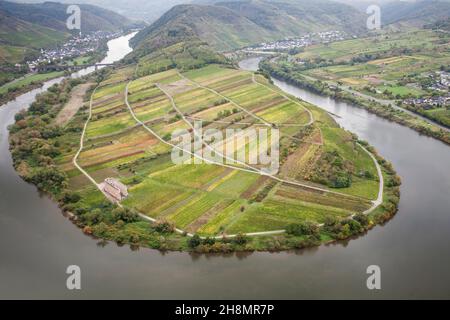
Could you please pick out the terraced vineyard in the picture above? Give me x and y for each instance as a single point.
(129, 137)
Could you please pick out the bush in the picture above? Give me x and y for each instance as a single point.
(194, 242)
(71, 197)
(362, 219)
(163, 226)
(209, 241)
(240, 239)
(124, 214)
(303, 229)
(93, 217)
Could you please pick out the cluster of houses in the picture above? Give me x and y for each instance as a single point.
(76, 46)
(303, 41)
(442, 81)
(430, 102)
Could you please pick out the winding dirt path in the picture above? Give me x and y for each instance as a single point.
(376, 202)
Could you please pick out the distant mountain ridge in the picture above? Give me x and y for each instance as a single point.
(416, 14)
(26, 28)
(228, 25)
(53, 15)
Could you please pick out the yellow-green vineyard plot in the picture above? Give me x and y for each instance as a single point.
(148, 93)
(234, 184)
(211, 114)
(197, 99)
(134, 142)
(120, 75)
(274, 214)
(152, 197)
(199, 206)
(109, 125)
(111, 106)
(150, 104)
(190, 175)
(221, 220)
(105, 90)
(297, 193)
(113, 123)
(229, 81)
(286, 113)
(204, 75)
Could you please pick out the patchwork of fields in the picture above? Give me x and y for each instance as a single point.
(211, 199)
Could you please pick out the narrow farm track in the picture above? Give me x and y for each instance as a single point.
(174, 105)
(375, 203)
(224, 97)
(75, 158)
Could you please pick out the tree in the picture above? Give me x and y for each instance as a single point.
(240, 239)
(163, 226)
(306, 228)
(71, 197)
(125, 214)
(194, 242)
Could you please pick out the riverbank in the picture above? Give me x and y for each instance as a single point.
(387, 112)
(30, 81)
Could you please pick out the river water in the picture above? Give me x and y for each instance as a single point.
(37, 242)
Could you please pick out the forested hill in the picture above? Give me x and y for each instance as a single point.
(53, 15)
(233, 24)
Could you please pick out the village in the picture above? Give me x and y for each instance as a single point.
(429, 102)
(441, 85)
(441, 81)
(76, 46)
(300, 42)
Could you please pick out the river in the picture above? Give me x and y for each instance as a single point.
(37, 242)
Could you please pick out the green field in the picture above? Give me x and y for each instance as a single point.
(29, 79)
(210, 198)
(392, 66)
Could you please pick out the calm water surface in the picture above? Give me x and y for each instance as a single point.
(413, 250)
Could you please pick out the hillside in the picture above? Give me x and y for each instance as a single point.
(415, 14)
(17, 32)
(53, 15)
(233, 24)
(21, 39)
(143, 10)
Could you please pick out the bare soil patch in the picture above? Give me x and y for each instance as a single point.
(73, 105)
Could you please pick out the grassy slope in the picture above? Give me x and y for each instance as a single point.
(229, 25)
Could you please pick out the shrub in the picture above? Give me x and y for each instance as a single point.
(240, 239)
(71, 197)
(209, 241)
(303, 229)
(93, 217)
(125, 214)
(362, 219)
(194, 242)
(163, 226)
